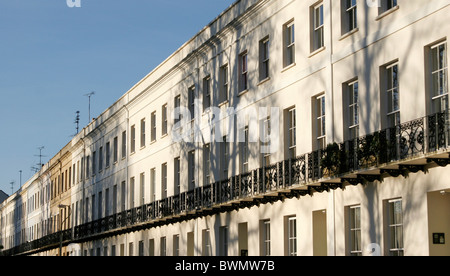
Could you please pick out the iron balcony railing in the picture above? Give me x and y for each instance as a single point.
(326, 169)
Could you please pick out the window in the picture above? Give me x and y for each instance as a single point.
(153, 123)
(395, 227)
(289, 43)
(319, 126)
(206, 243)
(191, 102)
(108, 154)
(153, 185)
(353, 110)
(243, 73)
(124, 144)
(355, 230)
(133, 138)
(206, 164)
(142, 133)
(292, 236)
(162, 247)
(131, 193)
(164, 119)
(223, 240)
(350, 16)
(264, 59)
(191, 170)
(244, 152)
(142, 189)
(123, 197)
(265, 238)
(225, 155)
(176, 245)
(291, 135)
(223, 80)
(177, 175)
(115, 149)
(387, 5)
(265, 141)
(100, 159)
(392, 95)
(439, 77)
(164, 181)
(177, 104)
(317, 27)
(206, 93)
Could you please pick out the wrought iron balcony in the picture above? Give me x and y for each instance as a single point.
(406, 148)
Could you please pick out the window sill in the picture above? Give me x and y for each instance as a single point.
(350, 33)
(388, 12)
(317, 51)
(288, 67)
(242, 92)
(264, 81)
(164, 135)
(223, 103)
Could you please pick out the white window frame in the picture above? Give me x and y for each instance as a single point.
(289, 40)
(393, 88)
(320, 110)
(355, 230)
(440, 93)
(292, 236)
(395, 227)
(318, 27)
(353, 109)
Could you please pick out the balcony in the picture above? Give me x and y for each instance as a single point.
(407, 148)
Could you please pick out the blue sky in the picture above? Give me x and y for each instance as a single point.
(52, 55)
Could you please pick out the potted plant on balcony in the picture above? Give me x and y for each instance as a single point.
(331, 160)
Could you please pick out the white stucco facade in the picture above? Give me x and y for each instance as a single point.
(128, 156)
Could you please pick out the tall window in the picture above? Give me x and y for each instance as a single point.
(153, 185)
(225, 155)
(244, 152)
(292, 236)
(142, 189)
(191, 101)
(439, 74)
(108, 154)
(350, 16)
(320, 127)
(177, 104)
(353, 110)
(206, 93)
(265, 238)
(317, 27)
(355, 230)
(393, 95)
(264, 59)
(133, 139)
(143, 133)
(124, 144)
(395, 225)
(289, 43)
(243, 73)
(162, 247)
(223, 80)
(131, 193)
(153, 126)
(206, 243)
(164, 119)
(206, 164)
(223, 239)
(164, 181)
(265, 141)
(176, 245)
(100, 159)
(191, 170)
(291, 136)
(177, 175)
(115, 149)
(386, 5)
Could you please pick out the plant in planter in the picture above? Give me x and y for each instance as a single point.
(331, 160)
